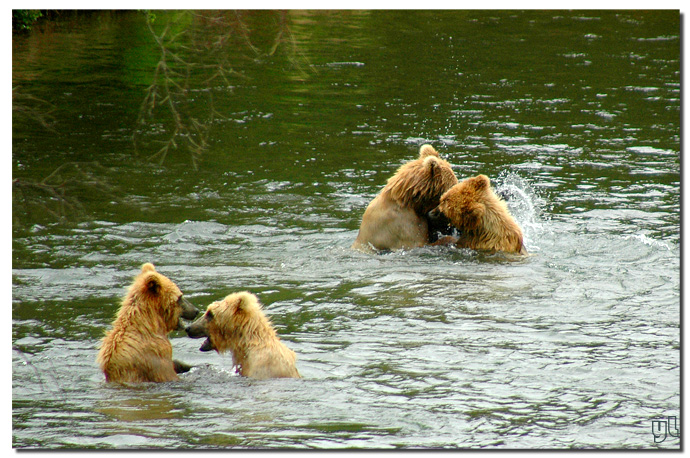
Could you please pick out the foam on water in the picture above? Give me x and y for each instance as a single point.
(648, 241)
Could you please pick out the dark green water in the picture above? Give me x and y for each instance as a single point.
(575, 114)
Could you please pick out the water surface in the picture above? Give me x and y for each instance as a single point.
(575, 115)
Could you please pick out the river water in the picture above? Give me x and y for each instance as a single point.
(300, 118)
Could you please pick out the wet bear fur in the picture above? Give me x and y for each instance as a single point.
(239, 325)
(137, 348)
(397, 217)
(480, 216)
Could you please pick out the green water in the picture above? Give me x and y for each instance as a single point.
(301, 118)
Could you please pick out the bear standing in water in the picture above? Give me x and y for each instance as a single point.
(239, 325)
(481, 217)
(137, 348)
(397, 217)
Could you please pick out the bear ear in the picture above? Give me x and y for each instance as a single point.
(242, 302)
(431, 163)
(427, 150)
(236, 303)
(153, 284)
(148, 267)
(481, 182)
(245, 302)
(240, 305)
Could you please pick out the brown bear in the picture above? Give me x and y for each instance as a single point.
(137, 348)
(238, 324)
(397, 217)
(481, 217)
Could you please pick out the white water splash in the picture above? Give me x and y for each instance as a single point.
(524, 204)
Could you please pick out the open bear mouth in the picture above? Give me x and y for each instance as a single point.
(197, 330)
(207, 345)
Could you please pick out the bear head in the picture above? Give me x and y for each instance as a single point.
(419, 184)
(230, 323)
(465, 203)
(480, 215)
(154, 297)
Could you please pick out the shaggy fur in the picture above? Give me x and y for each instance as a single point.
(239, 325)
(137, 348)
(397, 217)
(481, 217)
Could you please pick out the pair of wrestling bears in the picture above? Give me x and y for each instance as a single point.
(422, 200)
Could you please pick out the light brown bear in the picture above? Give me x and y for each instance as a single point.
(238, 324)
(397, 217)
(137, 348)
(481, 217)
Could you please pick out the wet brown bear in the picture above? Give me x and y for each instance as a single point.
(137, 348)
(238, 324)
(397, 217)
(481, 217)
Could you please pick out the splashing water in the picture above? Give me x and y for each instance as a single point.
(524, 204)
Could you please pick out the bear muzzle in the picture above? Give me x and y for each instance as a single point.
(189, 312)
(439, 224)
(198, 330)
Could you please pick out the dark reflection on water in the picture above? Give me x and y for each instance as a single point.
(575, 115)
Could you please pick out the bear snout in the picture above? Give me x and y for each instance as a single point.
(441, 230)
(196, 330)
(189, 312)
(438, 220)
(434, 214)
